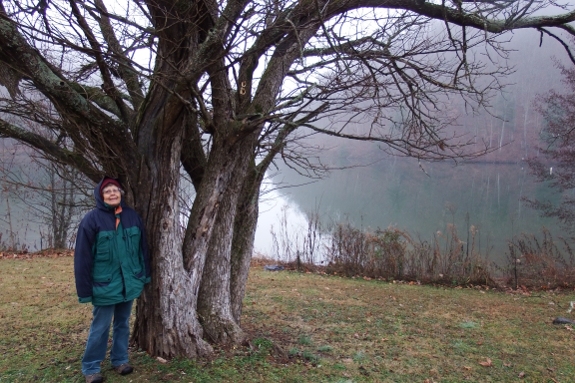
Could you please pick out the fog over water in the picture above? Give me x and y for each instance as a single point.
(276, 208)
(396, 192)
(425, 198)
(422, 199)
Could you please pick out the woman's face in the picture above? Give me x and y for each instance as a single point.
(112, 195)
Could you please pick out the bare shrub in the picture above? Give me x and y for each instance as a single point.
(458, 264)
(299, 247)
(312, 240)
(393, 254)
(282, 243)
(347, 251)
(540, 262)
(387, 252)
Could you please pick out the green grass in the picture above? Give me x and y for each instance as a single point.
(326, 348)
(332, 330)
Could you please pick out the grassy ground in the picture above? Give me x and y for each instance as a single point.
(331, 329)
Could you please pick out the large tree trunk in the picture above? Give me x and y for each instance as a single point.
(166, 321)
(215, 300)
(243, 243)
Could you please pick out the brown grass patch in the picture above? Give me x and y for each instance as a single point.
(332, 329)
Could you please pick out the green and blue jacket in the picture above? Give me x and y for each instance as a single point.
(111, 262)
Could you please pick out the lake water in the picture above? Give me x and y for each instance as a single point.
(397, 192)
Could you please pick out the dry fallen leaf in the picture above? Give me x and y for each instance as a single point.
(521, 374)
(487, 363)
(506, 364)
(467, 368)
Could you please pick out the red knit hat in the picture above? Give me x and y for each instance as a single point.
(107, 182)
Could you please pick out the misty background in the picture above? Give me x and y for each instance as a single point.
(370, 188)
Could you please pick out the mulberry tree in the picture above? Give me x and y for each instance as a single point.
(152, 90)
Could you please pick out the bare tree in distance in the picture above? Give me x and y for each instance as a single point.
(54, 196)
(555, 164)
(222, 89)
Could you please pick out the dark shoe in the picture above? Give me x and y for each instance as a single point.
(124, 369)
(94, 378)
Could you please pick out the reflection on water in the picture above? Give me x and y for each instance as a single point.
(398, 192)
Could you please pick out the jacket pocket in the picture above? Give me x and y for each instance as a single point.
(104, 246)
(134, 242)
(107, 289)
(102, 281)
(139, 274)
(135, 259)
(135, 283)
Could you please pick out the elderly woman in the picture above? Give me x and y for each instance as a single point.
(111, 266)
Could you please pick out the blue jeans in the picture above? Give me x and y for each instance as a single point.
(99, 333)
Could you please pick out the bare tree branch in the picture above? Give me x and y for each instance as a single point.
(50, 149)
